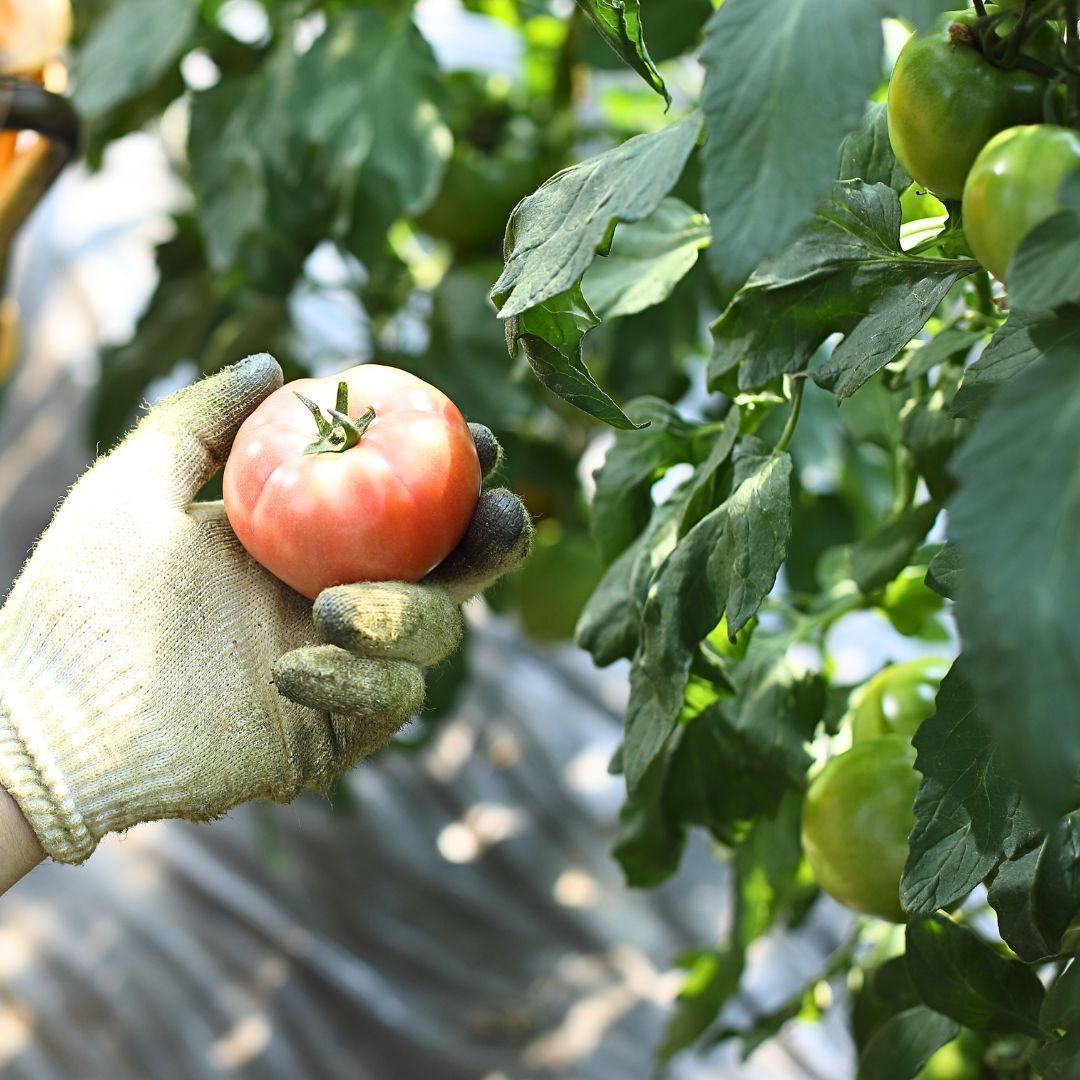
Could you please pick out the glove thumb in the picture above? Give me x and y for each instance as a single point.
(186, 438)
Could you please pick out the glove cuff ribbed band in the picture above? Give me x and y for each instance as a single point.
(31, 776)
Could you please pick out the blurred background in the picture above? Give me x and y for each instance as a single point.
(330, 182)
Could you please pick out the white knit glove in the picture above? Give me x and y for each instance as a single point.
(149, 668)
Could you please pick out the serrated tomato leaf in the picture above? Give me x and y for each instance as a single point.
(1037, 894)
(781, 74)
(968, 812)
(904, 1043)
(844, 273)
(129, 49)
(727, 562)
(1011, 351)
(1015, 518)
(866, 154)
(1045, 271)
(554, 233)
(959, 975)
(647, 259)
(619, 24)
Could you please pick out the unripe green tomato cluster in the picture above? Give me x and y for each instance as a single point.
(1013, 187)
(856, 820)
(859, 809)
(946, 100)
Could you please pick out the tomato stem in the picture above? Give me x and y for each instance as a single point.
(799, 385)
(344, 432)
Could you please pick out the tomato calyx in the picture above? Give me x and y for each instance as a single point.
(1001, 44)
(344, 432)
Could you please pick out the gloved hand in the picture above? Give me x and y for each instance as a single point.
(149, 668)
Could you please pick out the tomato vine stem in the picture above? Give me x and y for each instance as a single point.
(345, 432)
(793, 417)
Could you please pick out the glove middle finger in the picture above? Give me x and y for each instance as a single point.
(389, 620)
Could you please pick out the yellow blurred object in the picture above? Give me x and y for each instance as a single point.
(32, 32)
(24, 180)
(10, 337)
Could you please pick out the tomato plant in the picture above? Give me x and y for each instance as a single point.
(946, 101)
(1013, 186)
(385, 496)
(780, 416)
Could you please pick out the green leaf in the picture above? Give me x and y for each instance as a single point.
(943, 573)
(1011, 351)
(1059, 1060)
(551, 335)
(742, 756)
(554, 234)
(714, 978)
(1015, 517)
(754, 543)
(366, 97)
(876, 560)
(650, 841)
(780, 75)
(712, 479)
(737, 549)
(950, 344)
(867, 154)
(844, 273)
(777, 706)
(677, 615)
(1061, 1009)
(619, 23)
(931, 435)
(904, 1044)
(345, 137)
(129, 50)
(1037, 895)
(239, 144)
(956, 973)
(610, 625)
(622, 503)
(1045, 271)
(967, 811)
(647, 260)
(766, 886)
(886, 990)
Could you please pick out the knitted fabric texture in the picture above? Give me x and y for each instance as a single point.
(149, 668)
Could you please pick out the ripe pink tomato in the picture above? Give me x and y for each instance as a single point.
(386, 506)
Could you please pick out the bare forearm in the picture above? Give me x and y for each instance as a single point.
(19, 850)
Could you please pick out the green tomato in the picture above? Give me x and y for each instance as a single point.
(946, 101)
(476, 198)
(856, 820)
(908, 601)
(897, 699)
(1013, 186)
(918, 204)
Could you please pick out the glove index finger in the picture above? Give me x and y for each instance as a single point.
(183, 440)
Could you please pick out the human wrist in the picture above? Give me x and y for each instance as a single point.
(20, 851)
